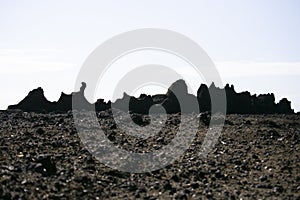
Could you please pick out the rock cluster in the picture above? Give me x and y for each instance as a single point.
(244, 102)
(176, 100)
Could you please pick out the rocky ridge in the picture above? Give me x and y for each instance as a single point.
(176, 98)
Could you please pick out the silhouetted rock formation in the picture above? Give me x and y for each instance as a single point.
(101, 105)
(122, 103)
(37, 102)
(177, 93)
(284, 106)
(141, 105)
(34, 101)
(244, 102)
(204, 98)
(177, 99)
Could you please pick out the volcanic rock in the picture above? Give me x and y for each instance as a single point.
(176, 100)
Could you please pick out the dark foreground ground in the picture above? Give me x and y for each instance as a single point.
(256, 157)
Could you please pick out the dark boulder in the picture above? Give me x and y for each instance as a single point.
(34, 101)
(284, 107)
(179, 100)
(204, 98)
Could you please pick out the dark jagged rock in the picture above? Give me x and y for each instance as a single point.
(237, 102)
(101, 105)
(177, 99)
(64, 102)
(284, 106)
(204, 98)
(141, 104)
(122, 103)
(34, 101)
(244, 102)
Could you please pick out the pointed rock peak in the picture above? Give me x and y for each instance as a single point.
(231, 87)
(37, 93)
(203, 89)
(82, 88)
(212, 85)
(125, 95)
(33, 101)
(38, 90)
(179, 87)
(63, 96)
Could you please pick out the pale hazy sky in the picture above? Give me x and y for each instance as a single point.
(254, 44)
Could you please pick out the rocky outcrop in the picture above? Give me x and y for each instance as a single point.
(177, 99)
(284, 106)
(34, 101)
(244, 102)
(204, 98)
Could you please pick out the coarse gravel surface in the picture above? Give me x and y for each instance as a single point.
(256, 157)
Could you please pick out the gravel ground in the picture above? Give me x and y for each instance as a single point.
(256, 157)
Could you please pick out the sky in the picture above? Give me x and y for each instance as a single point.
(254, 44)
